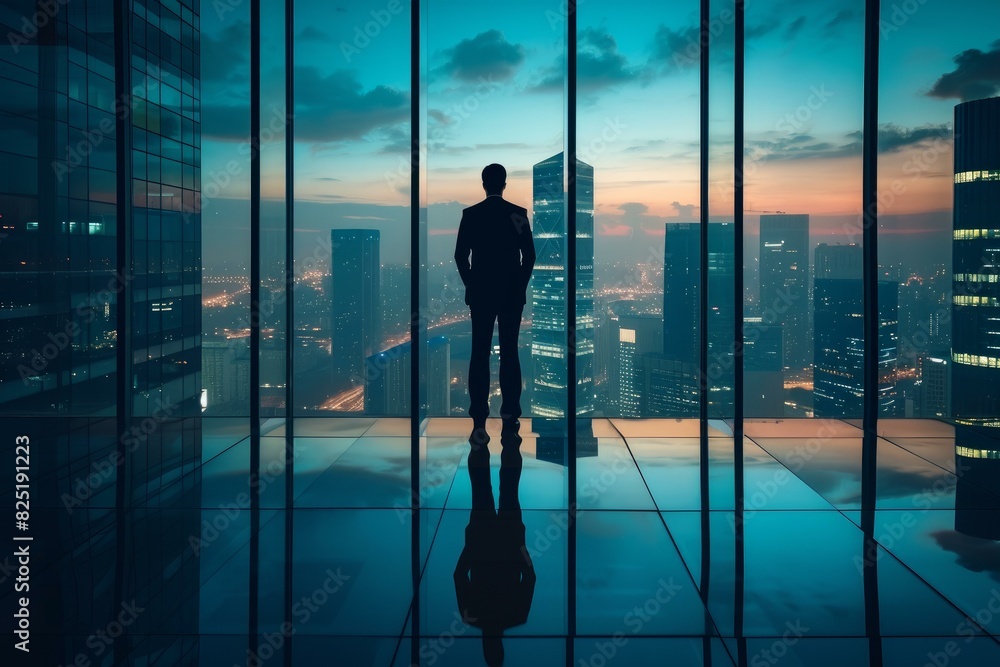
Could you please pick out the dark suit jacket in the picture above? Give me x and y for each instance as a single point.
(498, 235)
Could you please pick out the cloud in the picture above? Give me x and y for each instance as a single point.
(795, 27)
(599, 64)
(892, 138)
(329, 108)
(614, 229)
(774, 146)
(646, 145)
(801, 146)
(679, 47)
(312, 33)
(487, 55)
(684, 210)
(976, 76)
(439, 116)
(634, 218)
(633, 208)
(843, 17)
(395, 139)
(974, 554)
(335, 106)
(225, 58)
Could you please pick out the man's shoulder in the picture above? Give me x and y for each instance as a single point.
(484, 204)
(518, 209)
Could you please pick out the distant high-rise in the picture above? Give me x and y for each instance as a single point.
(638, 335)
(681, 282)
(670, 387)
(838, 377)
(548, 291)
(356, 318)
(681, 307)
(764, 386)
(976, 264)
(935, 385)
(784, 282)
(387, 379)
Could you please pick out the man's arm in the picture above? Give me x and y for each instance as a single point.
(527, 246)
(462, 249)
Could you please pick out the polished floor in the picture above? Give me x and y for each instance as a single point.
(648, 573)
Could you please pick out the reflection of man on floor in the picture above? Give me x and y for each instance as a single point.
(494, 578)
(495, 255)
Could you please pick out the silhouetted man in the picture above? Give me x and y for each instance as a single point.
(494, 577)
(495, 254)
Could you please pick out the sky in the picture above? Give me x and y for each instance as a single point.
(493, 91)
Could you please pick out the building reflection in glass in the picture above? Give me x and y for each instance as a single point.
(977, 491)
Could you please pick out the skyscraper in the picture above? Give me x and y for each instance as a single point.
(356, 318)
(98, 171)
(935, 385)
(838, 378)
(682, 305)
(976, 265)
(548, 291)
(65, 205)
(681, 283)
(638, 335)
(784, 282)
(764, 387)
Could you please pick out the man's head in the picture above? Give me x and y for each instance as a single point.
(494, 179)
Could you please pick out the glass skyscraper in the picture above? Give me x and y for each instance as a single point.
(548, 298)
(61, 224)
(839, 341)
(100, 208)
(356, 316)
(681, 308)
(976, 264)
(784, 282)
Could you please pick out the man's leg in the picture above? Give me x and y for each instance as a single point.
(483, 319)
(510, 365)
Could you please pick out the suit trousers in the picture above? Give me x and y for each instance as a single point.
(508, 319)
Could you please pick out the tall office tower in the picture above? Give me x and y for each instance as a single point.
(681, 308)
(784, 282)
(65, 204)
(356, 318)
(98, 167)
(606, 352)
(638, 335)
(976, 265)
(548, 291)
(838, 295)
(681, 283)
(935, 385)
(387, 380)
(764, 385)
